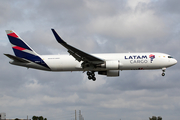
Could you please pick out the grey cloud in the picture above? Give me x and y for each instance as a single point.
(97, 27)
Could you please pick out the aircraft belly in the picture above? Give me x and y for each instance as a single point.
(63, 65)
(134, 67)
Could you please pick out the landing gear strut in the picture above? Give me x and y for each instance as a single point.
(163, 71)
(91, 75)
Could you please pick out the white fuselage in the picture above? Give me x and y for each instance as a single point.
(127, 61)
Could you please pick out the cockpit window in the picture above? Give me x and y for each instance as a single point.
(170, 57)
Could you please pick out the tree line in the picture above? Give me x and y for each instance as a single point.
(155, 118)
(38, 118)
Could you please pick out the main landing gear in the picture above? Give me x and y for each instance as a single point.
(91, 75)
(163, 71)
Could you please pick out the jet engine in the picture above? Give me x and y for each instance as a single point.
(111, 65)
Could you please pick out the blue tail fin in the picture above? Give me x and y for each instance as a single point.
(21, 48)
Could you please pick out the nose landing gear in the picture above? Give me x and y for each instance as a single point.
(163, 70)
(163, 74)
(91, 75)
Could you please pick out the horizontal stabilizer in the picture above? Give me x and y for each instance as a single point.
(17, 59)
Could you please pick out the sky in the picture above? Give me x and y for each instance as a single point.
(94, 26)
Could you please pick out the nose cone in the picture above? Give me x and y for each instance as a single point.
(174, 61)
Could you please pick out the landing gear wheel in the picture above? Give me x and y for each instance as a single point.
(88, 73)
(163, 71)
(91, 75)
(94, 79)
(163, 74)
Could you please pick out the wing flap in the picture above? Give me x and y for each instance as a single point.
(76, 56)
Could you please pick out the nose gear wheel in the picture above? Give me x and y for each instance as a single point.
(163, 71)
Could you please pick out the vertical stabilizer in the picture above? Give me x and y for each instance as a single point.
(23, 52)
(21, 48)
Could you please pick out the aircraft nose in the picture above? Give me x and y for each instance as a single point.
(174, 61)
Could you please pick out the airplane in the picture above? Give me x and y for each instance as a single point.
(109, 64)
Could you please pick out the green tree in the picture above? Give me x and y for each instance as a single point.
(159, 118)
(17, 119)
(35, 118)
(155, 118)
(40, 118)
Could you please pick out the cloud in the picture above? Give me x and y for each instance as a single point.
(95, 27)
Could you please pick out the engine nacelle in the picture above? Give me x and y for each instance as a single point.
(109, 73)
(111, 65)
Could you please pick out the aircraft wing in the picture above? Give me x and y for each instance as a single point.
(78, 54)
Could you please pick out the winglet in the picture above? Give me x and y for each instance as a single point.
(58, 38)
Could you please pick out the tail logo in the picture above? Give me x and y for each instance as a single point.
(23, 50)
(152, 57)
(13, 34)
(19, 48)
